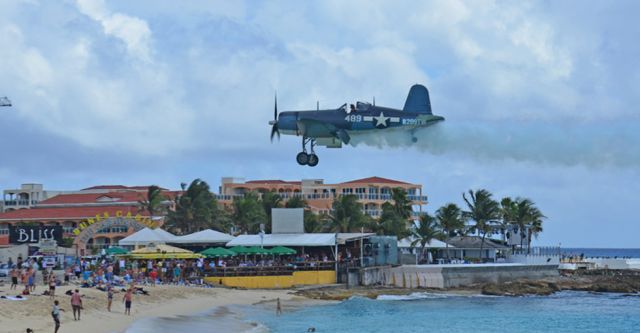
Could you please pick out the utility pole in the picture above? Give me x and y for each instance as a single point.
(4, 101)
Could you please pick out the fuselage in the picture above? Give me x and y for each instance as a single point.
(365, 117)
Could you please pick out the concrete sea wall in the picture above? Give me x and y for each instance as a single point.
(448, 276)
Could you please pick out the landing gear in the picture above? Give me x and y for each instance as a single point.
(302, 158)
(307, 159)
(414, 139)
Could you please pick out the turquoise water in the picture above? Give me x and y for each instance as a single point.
(562, 312)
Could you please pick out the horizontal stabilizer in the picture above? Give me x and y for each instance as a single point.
(418, 100)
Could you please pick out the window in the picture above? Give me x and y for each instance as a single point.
(361, 190)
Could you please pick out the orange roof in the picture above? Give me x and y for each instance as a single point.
(80, 198)
(376, 180)
(118, 187)
(67, 212)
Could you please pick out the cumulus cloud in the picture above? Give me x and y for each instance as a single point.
(134, 32)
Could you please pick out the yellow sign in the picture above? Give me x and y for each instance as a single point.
(146, 220)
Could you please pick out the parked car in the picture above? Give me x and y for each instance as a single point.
(4, 270)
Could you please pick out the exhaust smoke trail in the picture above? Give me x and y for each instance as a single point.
(588, 144)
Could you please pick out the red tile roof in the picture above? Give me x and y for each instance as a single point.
(376, 180)
(67, 213)
(79, 198)
(118, 187)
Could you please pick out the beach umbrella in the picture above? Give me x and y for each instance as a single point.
(282, 250)
(114, 250)
(241, 250)
(162, 251)
(217, 252)
(258, 250)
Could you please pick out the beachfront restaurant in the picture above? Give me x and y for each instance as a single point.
(316, 260)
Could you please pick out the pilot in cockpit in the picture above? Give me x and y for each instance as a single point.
(353, 108)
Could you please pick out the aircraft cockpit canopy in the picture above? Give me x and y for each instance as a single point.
(362, 106)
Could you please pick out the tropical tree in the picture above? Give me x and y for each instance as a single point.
(484, 211)
(269, 201)
(314, 223)
(507, 215)
(248, 213)
(346, 214)
(391, 222)
(534, 225)
(451, 220)
(401, 204)
(152, 204)
(424, 231)
(196, 209)
(296, 202)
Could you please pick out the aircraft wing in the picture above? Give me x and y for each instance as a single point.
(322, 130)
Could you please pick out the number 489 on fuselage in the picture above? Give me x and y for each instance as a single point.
(333, 127)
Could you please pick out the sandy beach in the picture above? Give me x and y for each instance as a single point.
(162, 301)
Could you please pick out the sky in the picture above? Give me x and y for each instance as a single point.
(540, 98)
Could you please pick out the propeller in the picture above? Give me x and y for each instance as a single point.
(274, 122)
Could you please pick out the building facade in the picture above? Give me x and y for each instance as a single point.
(93, 218)
(372, 192)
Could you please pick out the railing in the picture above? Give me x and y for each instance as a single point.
(320, 196)
(270, 270)
(20, 202)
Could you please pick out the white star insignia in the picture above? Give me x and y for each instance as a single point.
(381, 120)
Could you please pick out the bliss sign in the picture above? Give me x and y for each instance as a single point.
(20, 235)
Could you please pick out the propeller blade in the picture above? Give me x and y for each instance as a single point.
(275, 109)
(274, 131)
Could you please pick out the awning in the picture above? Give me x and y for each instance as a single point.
(217, 252)
(207, 236)
(434, 244)
(146, 236)
(324, 239)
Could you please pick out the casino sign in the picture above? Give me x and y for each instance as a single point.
(88, 228)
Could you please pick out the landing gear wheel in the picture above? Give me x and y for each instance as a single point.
(414, 139)
(313, 160)
(303, 158)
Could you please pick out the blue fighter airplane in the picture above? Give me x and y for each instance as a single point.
(332, 128)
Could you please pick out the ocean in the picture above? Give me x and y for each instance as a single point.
(601, 252)
(423, 312)
(427, 312)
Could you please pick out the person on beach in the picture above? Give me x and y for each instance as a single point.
(55, 313)
(76, 304)
(52, 285)
(109, 297)
(278, 307)
(128, 296)
(14, 278)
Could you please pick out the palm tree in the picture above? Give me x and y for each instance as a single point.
(296, 202)
(314, 222)
(451, 220)
(269, 201)
(425, 231)
(196, 209)
(152, 204)
(391, 222)
(401, 204)
(248, 213)
(346, 214)
(507, 214)
(534, 225)
(483, 210)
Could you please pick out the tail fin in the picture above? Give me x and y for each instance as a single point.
(418, 100)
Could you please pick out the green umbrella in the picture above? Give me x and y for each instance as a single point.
(258, 250)
(114, 250)
(241, 250)
(282, 250)
(217, 252)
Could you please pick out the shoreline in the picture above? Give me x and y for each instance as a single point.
(163, 302)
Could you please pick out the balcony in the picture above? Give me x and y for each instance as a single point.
(20, 202)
